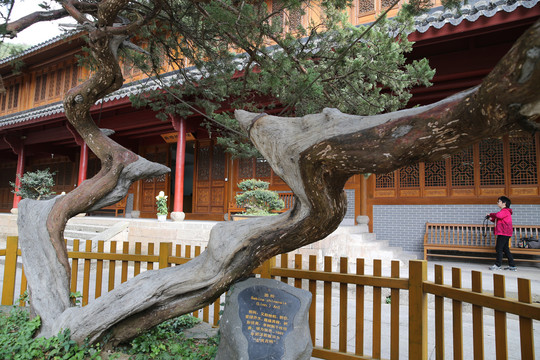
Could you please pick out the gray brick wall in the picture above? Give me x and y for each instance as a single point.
(404, 225)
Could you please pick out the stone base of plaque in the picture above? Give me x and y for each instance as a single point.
(265, 319)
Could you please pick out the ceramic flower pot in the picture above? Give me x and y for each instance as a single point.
(161, 217)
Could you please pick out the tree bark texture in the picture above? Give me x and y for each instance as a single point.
(41, 224)
(314, 155)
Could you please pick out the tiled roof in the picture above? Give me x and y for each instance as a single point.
(439, 17)
(35, 113)
(38, 47)
(436, 18)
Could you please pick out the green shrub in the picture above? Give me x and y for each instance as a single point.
(35, 184)
(253, 184)
(164, 341)
(167, 341)
(257, 199)
(17, 342)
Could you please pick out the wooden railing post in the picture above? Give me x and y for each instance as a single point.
(526, 333)
(267, 267)
(417, 310)
(165, 250)
(10, 270)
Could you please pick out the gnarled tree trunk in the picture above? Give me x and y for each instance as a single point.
(41, 223)
(314, 155)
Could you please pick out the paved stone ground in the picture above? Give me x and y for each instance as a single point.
(528, 271)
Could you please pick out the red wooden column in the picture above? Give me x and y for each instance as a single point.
(83, 164)
(19, 150)
(17, 146)
(179, 125)
(83, 158)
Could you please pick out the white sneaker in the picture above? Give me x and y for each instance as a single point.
(511, 268)
(494, 267)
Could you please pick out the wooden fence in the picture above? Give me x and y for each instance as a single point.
(350, 316)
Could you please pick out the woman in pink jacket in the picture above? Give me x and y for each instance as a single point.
(503, 231)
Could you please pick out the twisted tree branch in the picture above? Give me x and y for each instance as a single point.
(315, 155)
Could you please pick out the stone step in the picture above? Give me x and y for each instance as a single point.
(77, 234)
(368, 247)
(367, 238)
(357, 229)
(87, 228)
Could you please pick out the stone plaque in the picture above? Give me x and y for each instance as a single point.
(268, 316)
(265, 319)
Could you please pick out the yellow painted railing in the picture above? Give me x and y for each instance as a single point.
(343, 302)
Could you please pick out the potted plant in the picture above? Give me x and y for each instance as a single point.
(256, 199)
(162, 210)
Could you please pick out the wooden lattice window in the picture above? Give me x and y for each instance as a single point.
(67, 79)
(51, 85)
(74, 76)
(4, 99)
(10, 98)
(463, 168)
(41, 88)
(409, 176)
(491, 162)
(15, 102)
(385, 181)
(365, 6)
(218, 163)
(386, 4)
(295, 18)
(523, 162)
(277, 8)
(435, 173)
(203, 164)
(38, 87)
(262, 168)
(58, 82)
(245, 168)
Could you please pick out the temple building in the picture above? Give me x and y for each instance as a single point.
(463, 48)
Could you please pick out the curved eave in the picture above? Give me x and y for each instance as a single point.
(43, 51)
(437, 18)
(53, 112)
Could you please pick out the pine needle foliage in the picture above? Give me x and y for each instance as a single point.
(35, 184)
(249, 55)
(265, 56)
(257, 199)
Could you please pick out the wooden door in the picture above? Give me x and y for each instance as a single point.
(210, 178)
(8, 173)
(150, 188)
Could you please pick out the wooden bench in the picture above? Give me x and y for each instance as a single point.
(465, 240)
(287, 197)
(118, 208)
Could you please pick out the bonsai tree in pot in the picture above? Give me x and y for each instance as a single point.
(162, 209)
(256, 199)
